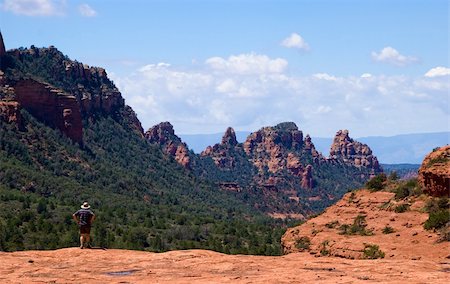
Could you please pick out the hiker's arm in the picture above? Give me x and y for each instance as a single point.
(75, 218)
(92, 218)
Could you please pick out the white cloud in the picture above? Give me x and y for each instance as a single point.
(325, 76)
(87, 11)
(295, 41)
(35, 7)
(391, 56)
(207, 98)
(366, 75)
(437, 72)
(247, 64)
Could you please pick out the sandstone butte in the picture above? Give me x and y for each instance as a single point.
(412, 255)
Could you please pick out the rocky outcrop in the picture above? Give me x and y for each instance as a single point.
(10, 113)
(164, 136)
(434, 173)
(352, 152)
(229, 138)
(223, 154)
(269, 147)
(307, 179)
(52, 106)
(363, 218)
(134, 122)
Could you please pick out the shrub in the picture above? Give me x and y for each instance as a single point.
(393, 176)
(357, 228)
(377, 182)
(401, 208)
(324, 250)
(436, 204)
(388, 230)
(332, 224)
(372, 252)
(303, 243)
(437, 220)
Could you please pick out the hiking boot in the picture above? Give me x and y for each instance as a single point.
(89, 246)
(81, 247)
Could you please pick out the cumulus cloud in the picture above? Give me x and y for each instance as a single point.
(438, 72)
(247, 64)
(208, 97)
(391, 56)
(87, 11)
(34, 7)
(295, 41)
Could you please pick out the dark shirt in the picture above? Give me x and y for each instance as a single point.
(85, 216)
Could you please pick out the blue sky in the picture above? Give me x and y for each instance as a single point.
(373, 67)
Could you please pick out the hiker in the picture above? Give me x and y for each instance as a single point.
(84, 218)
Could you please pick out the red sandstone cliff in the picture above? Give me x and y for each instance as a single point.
(434, 173)
(52, 106)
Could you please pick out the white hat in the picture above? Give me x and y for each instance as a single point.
(85, 206)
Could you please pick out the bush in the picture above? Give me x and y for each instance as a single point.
(324, 250)
(303, 243)
(372, 252)
(393, 176)
(388, 230)
(377, 182)
(408, 188)
(332, 224)
(357, 228)
(401, 208)
(436, 204)
(437, 220)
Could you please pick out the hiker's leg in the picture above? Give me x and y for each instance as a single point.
(82, 240)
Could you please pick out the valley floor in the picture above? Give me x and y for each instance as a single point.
(73, 265)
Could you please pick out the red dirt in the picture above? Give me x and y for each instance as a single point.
(73, 265)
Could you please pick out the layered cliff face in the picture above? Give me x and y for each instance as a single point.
(163, 135)
(353, 152)
(52, 106)
(58, 91)
(434, 173)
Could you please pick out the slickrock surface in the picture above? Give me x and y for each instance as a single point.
(72, 265)
(408, 241)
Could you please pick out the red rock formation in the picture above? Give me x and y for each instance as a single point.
(135, 123)
(229, 138)
(51, 106)
(434, 173)
(222, 154)
(353, 152)
(10, 112)
(164, 136)
(307, 179)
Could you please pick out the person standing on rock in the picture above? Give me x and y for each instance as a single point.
(84, 218)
